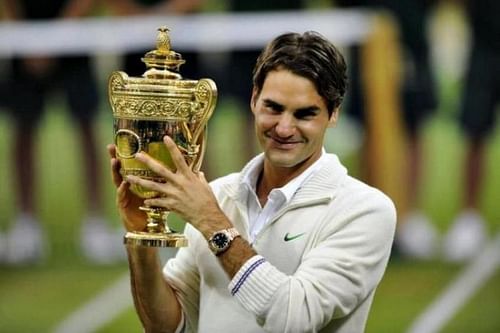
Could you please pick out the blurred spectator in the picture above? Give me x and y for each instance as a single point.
(417, 236)
(132, 63)
(481, 97)
(238, 83)
(3, 83)
(33, 78)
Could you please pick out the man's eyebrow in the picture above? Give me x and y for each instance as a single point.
(311, 108)
(274, 104)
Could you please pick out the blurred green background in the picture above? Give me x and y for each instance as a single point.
(37, 299)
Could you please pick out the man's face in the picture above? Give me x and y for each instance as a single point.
(290, 120)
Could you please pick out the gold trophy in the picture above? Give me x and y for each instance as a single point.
(146, 109)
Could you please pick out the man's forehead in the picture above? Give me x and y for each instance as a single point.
(290, 90)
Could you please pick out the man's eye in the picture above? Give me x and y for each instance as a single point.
(274, 108)
(306, 114)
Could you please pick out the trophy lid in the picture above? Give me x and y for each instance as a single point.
(163, 62)
(161, 94)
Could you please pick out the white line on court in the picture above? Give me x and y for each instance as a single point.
(106, 306)
(459, 291)
(101, 310)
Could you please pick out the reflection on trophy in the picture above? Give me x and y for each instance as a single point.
(148, 108)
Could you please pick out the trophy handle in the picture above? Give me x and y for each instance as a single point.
(206, 96)
(201, 150)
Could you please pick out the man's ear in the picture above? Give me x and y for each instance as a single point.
(332, 122)
(253, 100)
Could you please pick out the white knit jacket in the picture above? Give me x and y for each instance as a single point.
(323, 280)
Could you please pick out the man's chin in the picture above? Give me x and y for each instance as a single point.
(282, 159)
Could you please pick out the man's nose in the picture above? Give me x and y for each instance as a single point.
(285, 126)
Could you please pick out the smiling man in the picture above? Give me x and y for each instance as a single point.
(291, 243)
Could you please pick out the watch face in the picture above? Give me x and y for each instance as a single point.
(220, 240)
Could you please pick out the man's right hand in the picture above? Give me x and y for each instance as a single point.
(158, 307)
(127, 202)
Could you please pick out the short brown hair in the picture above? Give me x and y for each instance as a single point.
(309, 55)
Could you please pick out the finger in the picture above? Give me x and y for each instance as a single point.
(157, 202)
(148, 184)
(121, 192)
(115, 165)
(111, 150)
(176, 155)
(154, 165)
(115, 172)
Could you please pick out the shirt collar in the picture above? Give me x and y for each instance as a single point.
(250, 176)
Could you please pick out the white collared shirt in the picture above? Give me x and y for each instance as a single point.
(258, 216)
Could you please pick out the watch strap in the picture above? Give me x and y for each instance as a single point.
(230, 233)
(233, 232)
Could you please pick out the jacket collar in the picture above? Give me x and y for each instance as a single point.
(321, 186)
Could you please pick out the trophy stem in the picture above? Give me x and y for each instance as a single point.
(157, 233)
(157, 219)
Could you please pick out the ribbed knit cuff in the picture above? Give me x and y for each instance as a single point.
(182, 324)
(255, 284)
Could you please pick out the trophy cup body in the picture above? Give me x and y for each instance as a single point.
(146, 109)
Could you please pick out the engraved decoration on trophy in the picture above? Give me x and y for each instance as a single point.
(147, 108)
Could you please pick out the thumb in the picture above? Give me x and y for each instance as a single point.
(201, 176)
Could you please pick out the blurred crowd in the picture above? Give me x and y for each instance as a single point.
(32, 79)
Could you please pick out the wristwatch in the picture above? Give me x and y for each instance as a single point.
(221, 240)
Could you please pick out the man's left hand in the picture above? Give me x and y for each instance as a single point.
(184, 192)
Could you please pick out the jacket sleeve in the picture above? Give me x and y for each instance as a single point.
(335, 276)
(183, 276)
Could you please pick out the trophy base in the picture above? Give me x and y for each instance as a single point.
(155, 239)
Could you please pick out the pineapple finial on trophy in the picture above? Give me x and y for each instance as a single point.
(163, 40)
(163, 62)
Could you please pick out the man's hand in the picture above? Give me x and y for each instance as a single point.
(185, 192)
(127, 202)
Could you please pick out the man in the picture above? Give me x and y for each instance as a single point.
(289, 244)
(32, 81)
(478, 117)
(132, 64)
(417, 236)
